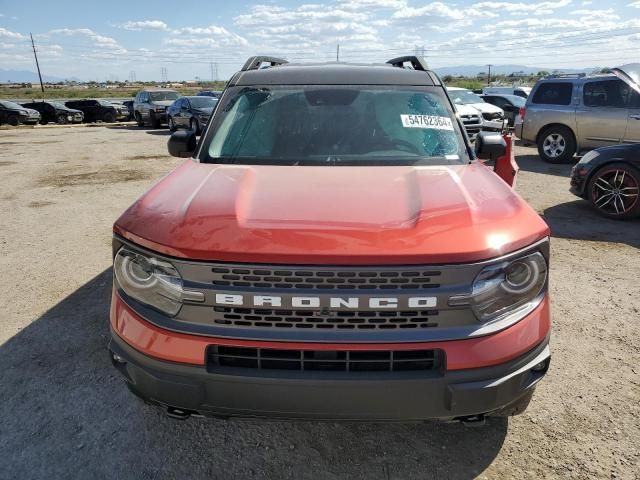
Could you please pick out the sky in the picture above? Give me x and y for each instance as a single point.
(117, 40)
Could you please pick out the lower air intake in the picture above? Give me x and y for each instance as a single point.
(323, 360)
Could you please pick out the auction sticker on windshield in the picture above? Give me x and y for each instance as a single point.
(426, 121)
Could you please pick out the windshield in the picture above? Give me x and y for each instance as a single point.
(516, 100)
(202, 102)
(335, 125)
(105, 103)
(160, 96)
(464, 97)
(7, 104)
(58, 105)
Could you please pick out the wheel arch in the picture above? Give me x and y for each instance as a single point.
(558, 124)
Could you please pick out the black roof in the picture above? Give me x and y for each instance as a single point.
(334, 74)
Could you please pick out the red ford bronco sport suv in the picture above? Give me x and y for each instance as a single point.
(333, 249)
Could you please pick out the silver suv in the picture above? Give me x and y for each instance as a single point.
(150, 105)
(568, 114)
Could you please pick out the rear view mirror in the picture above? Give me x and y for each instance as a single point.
(490, 145)
(182, 143)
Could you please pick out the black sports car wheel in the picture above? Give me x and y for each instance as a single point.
(614, 191)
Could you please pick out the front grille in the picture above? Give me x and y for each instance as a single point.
(346, 320)
(326, 278)
(469, 120)
(323, 360)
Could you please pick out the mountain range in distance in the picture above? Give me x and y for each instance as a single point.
(473, 70)
(26, 76)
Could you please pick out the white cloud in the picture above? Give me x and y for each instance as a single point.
(4, 33)
(99, 40)
(608, 14)
(144, 25)
(634, 4)
(520, 8)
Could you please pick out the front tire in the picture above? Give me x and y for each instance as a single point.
(557, 145)
(155, 121)
(13, 121)
(172, 125)
(62, 119)
(138, 118)
(109, 117)
(614, 191)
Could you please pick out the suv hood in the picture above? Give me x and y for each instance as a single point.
(331, 215)
(466, 109)
(630, 74)
(485, 107)
(162, 103)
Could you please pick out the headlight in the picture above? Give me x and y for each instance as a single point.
(505, 287)
(151, 281)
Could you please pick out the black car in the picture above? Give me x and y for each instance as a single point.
(210, 93)
(14, 114)
(190, 112)
(510, 104)
(609, 178)
(99, 110)
(55, 112)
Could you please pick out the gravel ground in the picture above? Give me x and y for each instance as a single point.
(67, 414)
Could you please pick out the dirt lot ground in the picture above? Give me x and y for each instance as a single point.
(67, 414)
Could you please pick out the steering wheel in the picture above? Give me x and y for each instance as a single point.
(403, 143)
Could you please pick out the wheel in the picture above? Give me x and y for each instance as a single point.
(557, 145)
(155, 121)
(44, 122)
(138, 118)
(614, 191)
(172, 125)
(109, 117)
(195, 126)
(13, 121)
(62, 119)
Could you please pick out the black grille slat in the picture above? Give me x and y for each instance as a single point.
(323, 360)
(340, 278)
(265, 318)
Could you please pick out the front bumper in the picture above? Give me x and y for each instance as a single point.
(578, 181)
(480, 376)
(375, 396)
(493, 125)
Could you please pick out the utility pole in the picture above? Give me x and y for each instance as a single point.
(163, 72)
(489, 74)
(132, 76)
(418, 51)
(215, 67)
(338, 53)
(33, 45)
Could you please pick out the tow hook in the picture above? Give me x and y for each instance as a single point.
(177, 413)
(473, 421)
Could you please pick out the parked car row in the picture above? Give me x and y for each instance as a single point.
(72, 111)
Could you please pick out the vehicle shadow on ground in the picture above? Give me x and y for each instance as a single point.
(146, 129)
(533, 163)
(578, 220)
(65, 409)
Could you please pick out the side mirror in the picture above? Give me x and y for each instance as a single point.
(489, 145)
(182, 143)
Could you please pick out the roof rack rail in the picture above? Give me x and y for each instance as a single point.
(254, 63)
(418, 63)
(567, 75)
